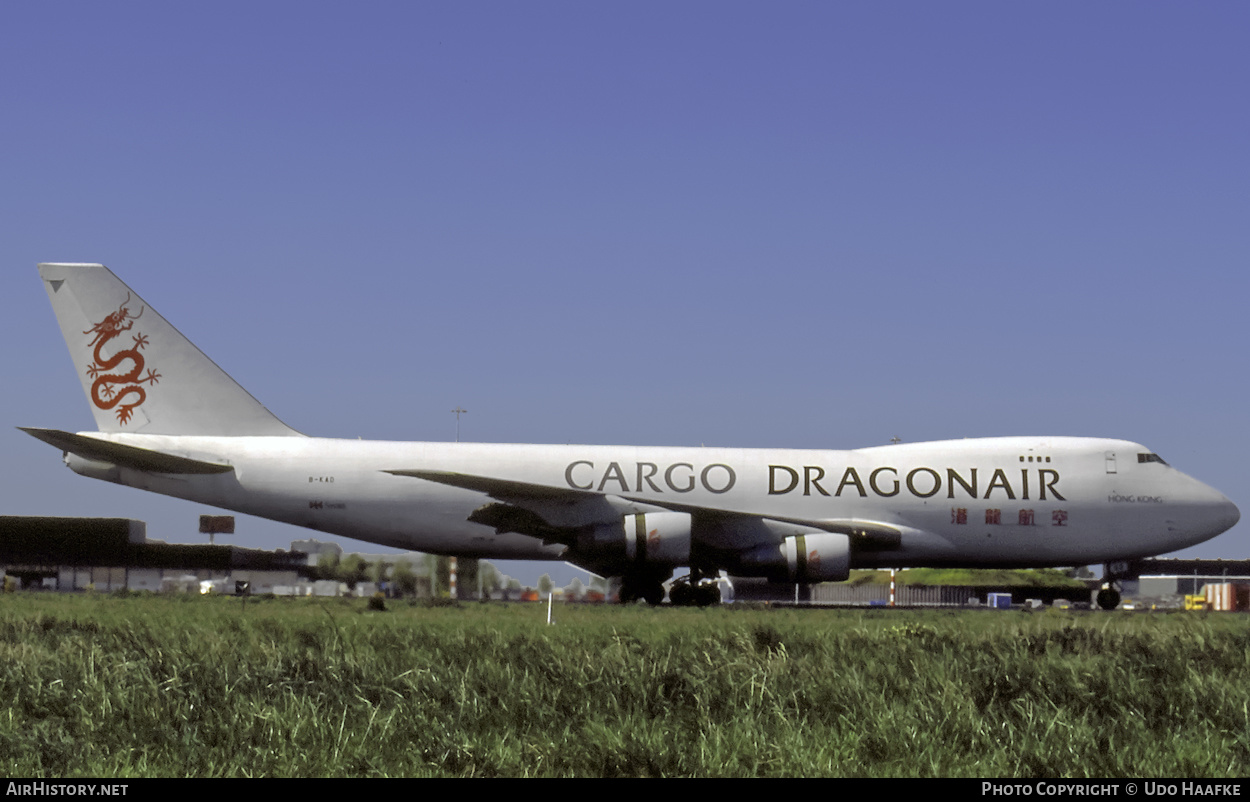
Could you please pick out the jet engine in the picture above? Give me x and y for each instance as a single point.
(655, 538)
(809, 557)
(818, 557)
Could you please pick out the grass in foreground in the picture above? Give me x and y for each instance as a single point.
(207, 687)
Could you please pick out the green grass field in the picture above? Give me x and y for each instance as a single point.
(209, 687)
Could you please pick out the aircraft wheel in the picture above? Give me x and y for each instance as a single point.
(681, 594)
(654, 593)
(708, 595)
(1108, 598)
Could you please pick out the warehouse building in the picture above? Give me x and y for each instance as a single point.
(107, 554)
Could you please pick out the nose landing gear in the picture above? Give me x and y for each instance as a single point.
(1112, 574)
(1109, 597)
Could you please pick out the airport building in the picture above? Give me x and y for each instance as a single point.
(108, 554)
(1167, 582)
(112, 554)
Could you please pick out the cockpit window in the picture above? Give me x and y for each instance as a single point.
(1150, 458)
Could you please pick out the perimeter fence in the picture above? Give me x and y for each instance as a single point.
(904, 595)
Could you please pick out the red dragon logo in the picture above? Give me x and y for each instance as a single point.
(109, 389)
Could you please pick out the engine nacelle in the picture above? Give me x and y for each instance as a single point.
(818, 557)
(655, 538)
(807, 556)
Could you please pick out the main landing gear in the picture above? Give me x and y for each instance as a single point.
(688, 591)
(684, 594)
(647, 587)
(693, 590)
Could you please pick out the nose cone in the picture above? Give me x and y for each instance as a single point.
(1210, 513)
(1224, 517)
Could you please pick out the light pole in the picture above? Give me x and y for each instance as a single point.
(458, 411)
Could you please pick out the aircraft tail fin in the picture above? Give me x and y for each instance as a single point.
(140, 374)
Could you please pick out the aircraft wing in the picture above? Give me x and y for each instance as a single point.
(500, 488)
(554, 513)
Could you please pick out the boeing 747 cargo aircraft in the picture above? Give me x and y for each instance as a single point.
(172, 422)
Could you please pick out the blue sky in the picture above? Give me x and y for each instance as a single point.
(751, 224)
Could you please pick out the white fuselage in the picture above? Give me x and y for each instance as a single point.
(1033, 501)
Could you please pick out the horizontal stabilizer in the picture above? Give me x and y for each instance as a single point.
(140, 459)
